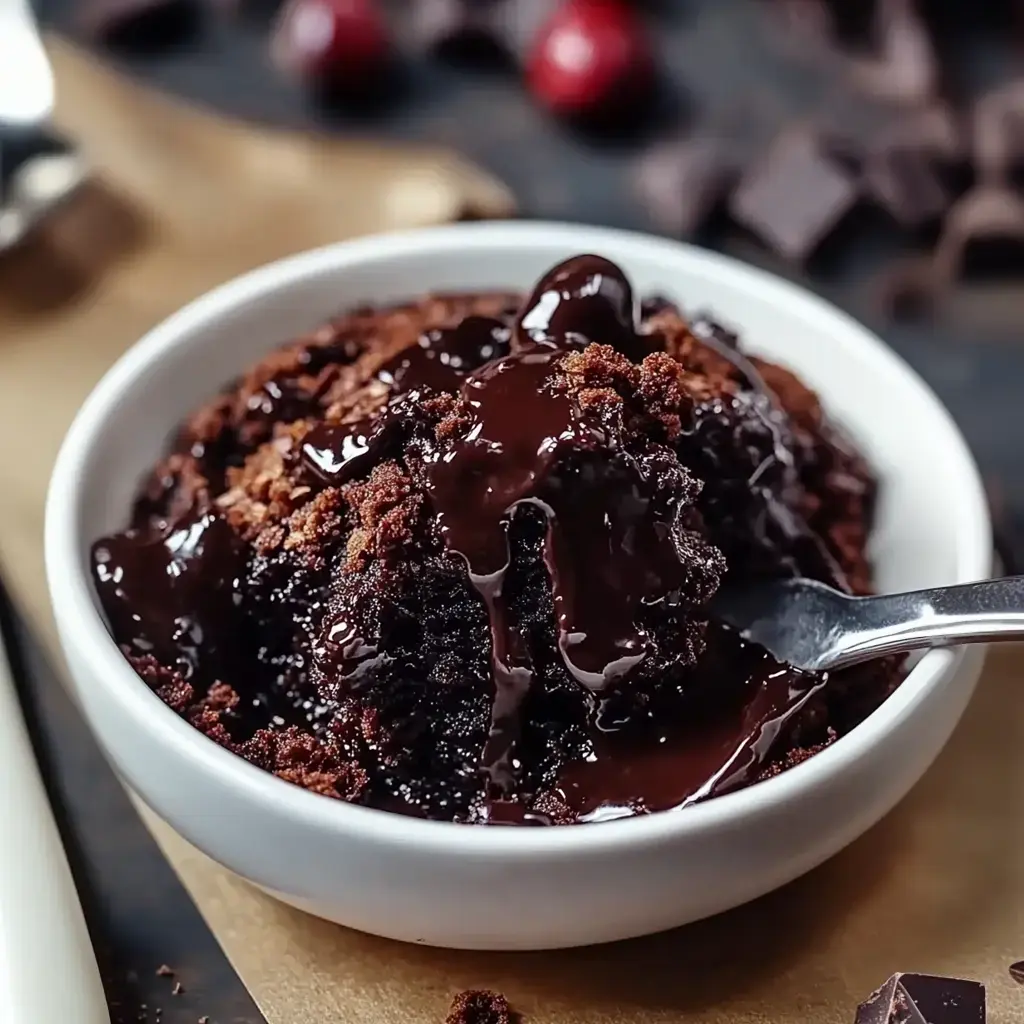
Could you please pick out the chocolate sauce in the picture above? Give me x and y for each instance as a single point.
(700, 753)
(586, 299)
(175, 595)
(610, 546)
(444, 356)
(335, 453)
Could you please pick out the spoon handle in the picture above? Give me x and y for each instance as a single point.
(944, 617)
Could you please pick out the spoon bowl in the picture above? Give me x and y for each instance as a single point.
(813, 627)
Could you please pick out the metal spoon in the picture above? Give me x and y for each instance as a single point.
(811, 626)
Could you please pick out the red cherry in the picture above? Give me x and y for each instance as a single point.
(591, 57)
(331, 42)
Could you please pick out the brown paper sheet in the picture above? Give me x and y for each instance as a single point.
(938, 886)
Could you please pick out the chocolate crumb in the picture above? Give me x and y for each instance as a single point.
(204, 1020)
(1017, 972)
(480, 1006)
(178, 989)
(163, 971)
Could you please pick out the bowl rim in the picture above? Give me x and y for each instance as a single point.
(84, 633)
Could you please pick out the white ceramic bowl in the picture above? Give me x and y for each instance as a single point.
(509, 888)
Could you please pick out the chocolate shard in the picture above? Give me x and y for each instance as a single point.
(1017, 972)
(997, 125)
(683, 181)
(139, 24)
(905, 67)
(924, 999)
(795, 195)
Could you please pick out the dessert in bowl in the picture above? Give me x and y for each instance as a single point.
(448, 558)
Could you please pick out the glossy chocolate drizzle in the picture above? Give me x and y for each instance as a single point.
(444, 356)
(175, 595)
(609, 546)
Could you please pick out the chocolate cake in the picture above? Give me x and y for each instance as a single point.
(451, 558)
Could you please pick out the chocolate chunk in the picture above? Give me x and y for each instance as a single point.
(139, 24)
(983, 230)
(924, 999)
(998, 132)
(1017, 972)
(794, 196)
(906, 67)
(682, 182)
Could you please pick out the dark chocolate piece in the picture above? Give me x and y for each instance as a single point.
(1017, 969)
(998, 133)
(139, 24)
(794, 196)
(682, 182)
(906, 67)
(924, 999)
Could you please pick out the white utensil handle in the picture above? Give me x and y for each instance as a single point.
(26, 79)
(48, 972)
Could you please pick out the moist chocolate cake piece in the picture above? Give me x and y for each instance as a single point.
(450, 558)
